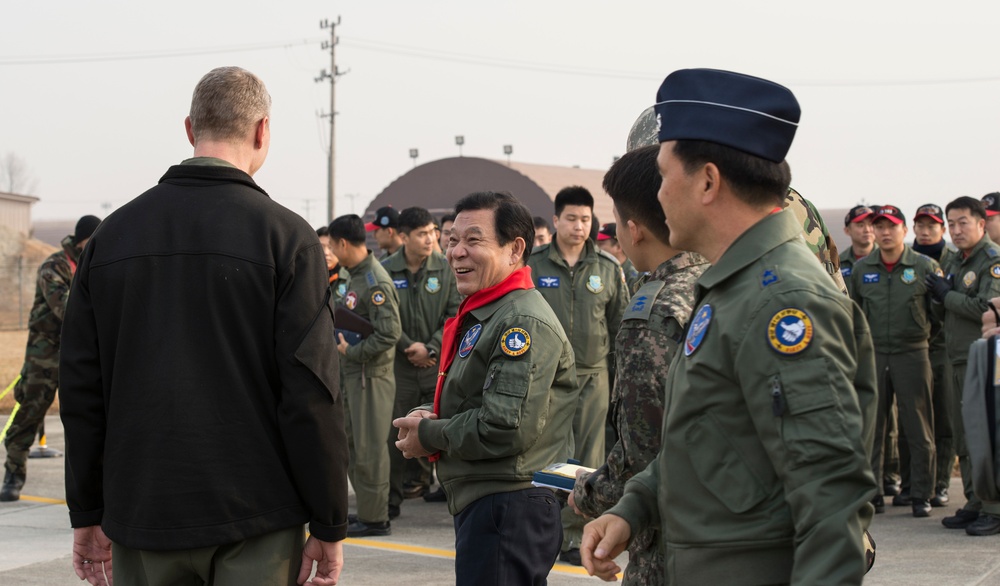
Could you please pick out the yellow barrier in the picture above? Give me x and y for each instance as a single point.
(13, 412)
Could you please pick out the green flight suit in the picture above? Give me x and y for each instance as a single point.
(763, 475)
(976, 280)
(898, 309)
(507, 400)
(426, 299)
(370, 387)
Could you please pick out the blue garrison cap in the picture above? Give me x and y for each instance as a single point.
(746, 113)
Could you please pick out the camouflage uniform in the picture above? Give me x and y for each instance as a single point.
(40, 373)
(651, 330)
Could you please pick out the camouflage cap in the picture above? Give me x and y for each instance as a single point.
(644, 131)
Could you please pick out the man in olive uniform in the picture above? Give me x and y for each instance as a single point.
(386, 229)
(763, 474)
(607, 240)
(991, 202)
(858, 227)
(425, 285)
(651, 331)
(504, 401)
(889, 286)
(36, 389)
(928, 230)
(973, 278)
(369, 382)
(338, 274)
(586, 288)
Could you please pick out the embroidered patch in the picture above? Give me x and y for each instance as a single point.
(969, 278)
(401, 283)
(845, 271)
(769, 277)
(516, 342)
(469, 341)
(548, 282)
(594, 284)
(909, 276)
(352, 300)
(638, 304)
(341, 289)
(790, 331)
(698, 329)
(378, 298)
(871, 277)
(995, 270)
(433, 285)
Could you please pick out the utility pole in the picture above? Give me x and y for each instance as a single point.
(332, 76)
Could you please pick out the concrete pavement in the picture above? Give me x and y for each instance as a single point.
(35, 541)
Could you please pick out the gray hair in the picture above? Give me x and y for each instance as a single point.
(227, 103)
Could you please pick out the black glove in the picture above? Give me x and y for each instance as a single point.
(938, 286)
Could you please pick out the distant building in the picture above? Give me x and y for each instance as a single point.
(15, 212)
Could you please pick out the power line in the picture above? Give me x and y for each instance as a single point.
(160, 54)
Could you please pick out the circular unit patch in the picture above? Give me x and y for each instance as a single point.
(515, 342)
(378, 298)
(969, 278)
(698, 329)
(995, 270)
(351, 301)
(469, 341)
(790, 331)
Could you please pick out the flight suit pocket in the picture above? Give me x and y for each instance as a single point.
(812, 424)
(720, 467)
(504, 393)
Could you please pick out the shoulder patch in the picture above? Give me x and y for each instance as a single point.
(515, 342)
(995, 270)
(769, 277)
(698, 329)
(641, 305)
(790, 331)
(378, 298)
(370, 279)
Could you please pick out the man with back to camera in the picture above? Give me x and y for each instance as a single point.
(607, 240)
(586, 289)
(888, 284)
(369, 380)
(195, 362)
(650, 333)
(858, 227)
(973, 278)
(503, 404)
(386, 229)
(36, 388)
(763, 474)
(427, 295)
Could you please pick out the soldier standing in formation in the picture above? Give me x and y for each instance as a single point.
(764, 468)
(650, 334)
(425, 285)
(36, 389)
(586, 288)
(888, 284)
(369, 382)
(973, 278)
(858, 227)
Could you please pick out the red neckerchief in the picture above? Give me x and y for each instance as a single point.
(519, 279)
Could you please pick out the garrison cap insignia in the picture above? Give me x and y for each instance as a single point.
(548, 282)
(341, 289)
(768, 278)
(595, 285)
(790, 331)
(469, 341)
(401, 283)
(845, 271)
(515, 342)
(698, 329)
(995, 270)
(909, 275)
(433, 285)
(969, 278)
(378, 298)
(871, 278)
(352, 300)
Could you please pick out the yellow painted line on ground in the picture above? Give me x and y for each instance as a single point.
(445, 553)
(42, 499)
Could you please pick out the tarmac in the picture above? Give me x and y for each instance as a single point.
(36, 540)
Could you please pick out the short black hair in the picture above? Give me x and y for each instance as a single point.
(975, 206)
(541, 222)
(447, 218)
(511, 218)
(349, 227)
(573, 196)
(322, 231)
(633, 182)
(413, 218)
(756, 181)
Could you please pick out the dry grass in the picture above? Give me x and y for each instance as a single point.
(11, 359)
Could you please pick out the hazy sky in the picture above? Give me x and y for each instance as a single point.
(900, 103)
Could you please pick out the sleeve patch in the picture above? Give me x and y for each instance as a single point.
(790, 331)
(515, 342)
(378, 298)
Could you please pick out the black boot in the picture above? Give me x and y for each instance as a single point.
(12, 484)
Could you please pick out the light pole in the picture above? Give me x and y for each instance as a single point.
(507, 150)
(414, 153)
(460, 140)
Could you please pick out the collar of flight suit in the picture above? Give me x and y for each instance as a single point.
(764, 236)
(589, 253)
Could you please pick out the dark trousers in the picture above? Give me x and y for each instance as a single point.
(507, 538)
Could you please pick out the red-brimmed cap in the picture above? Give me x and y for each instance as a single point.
(607, 232)
(930, 210)
(890, 213)
(385, 217)
(991, 201)
(858, 213)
